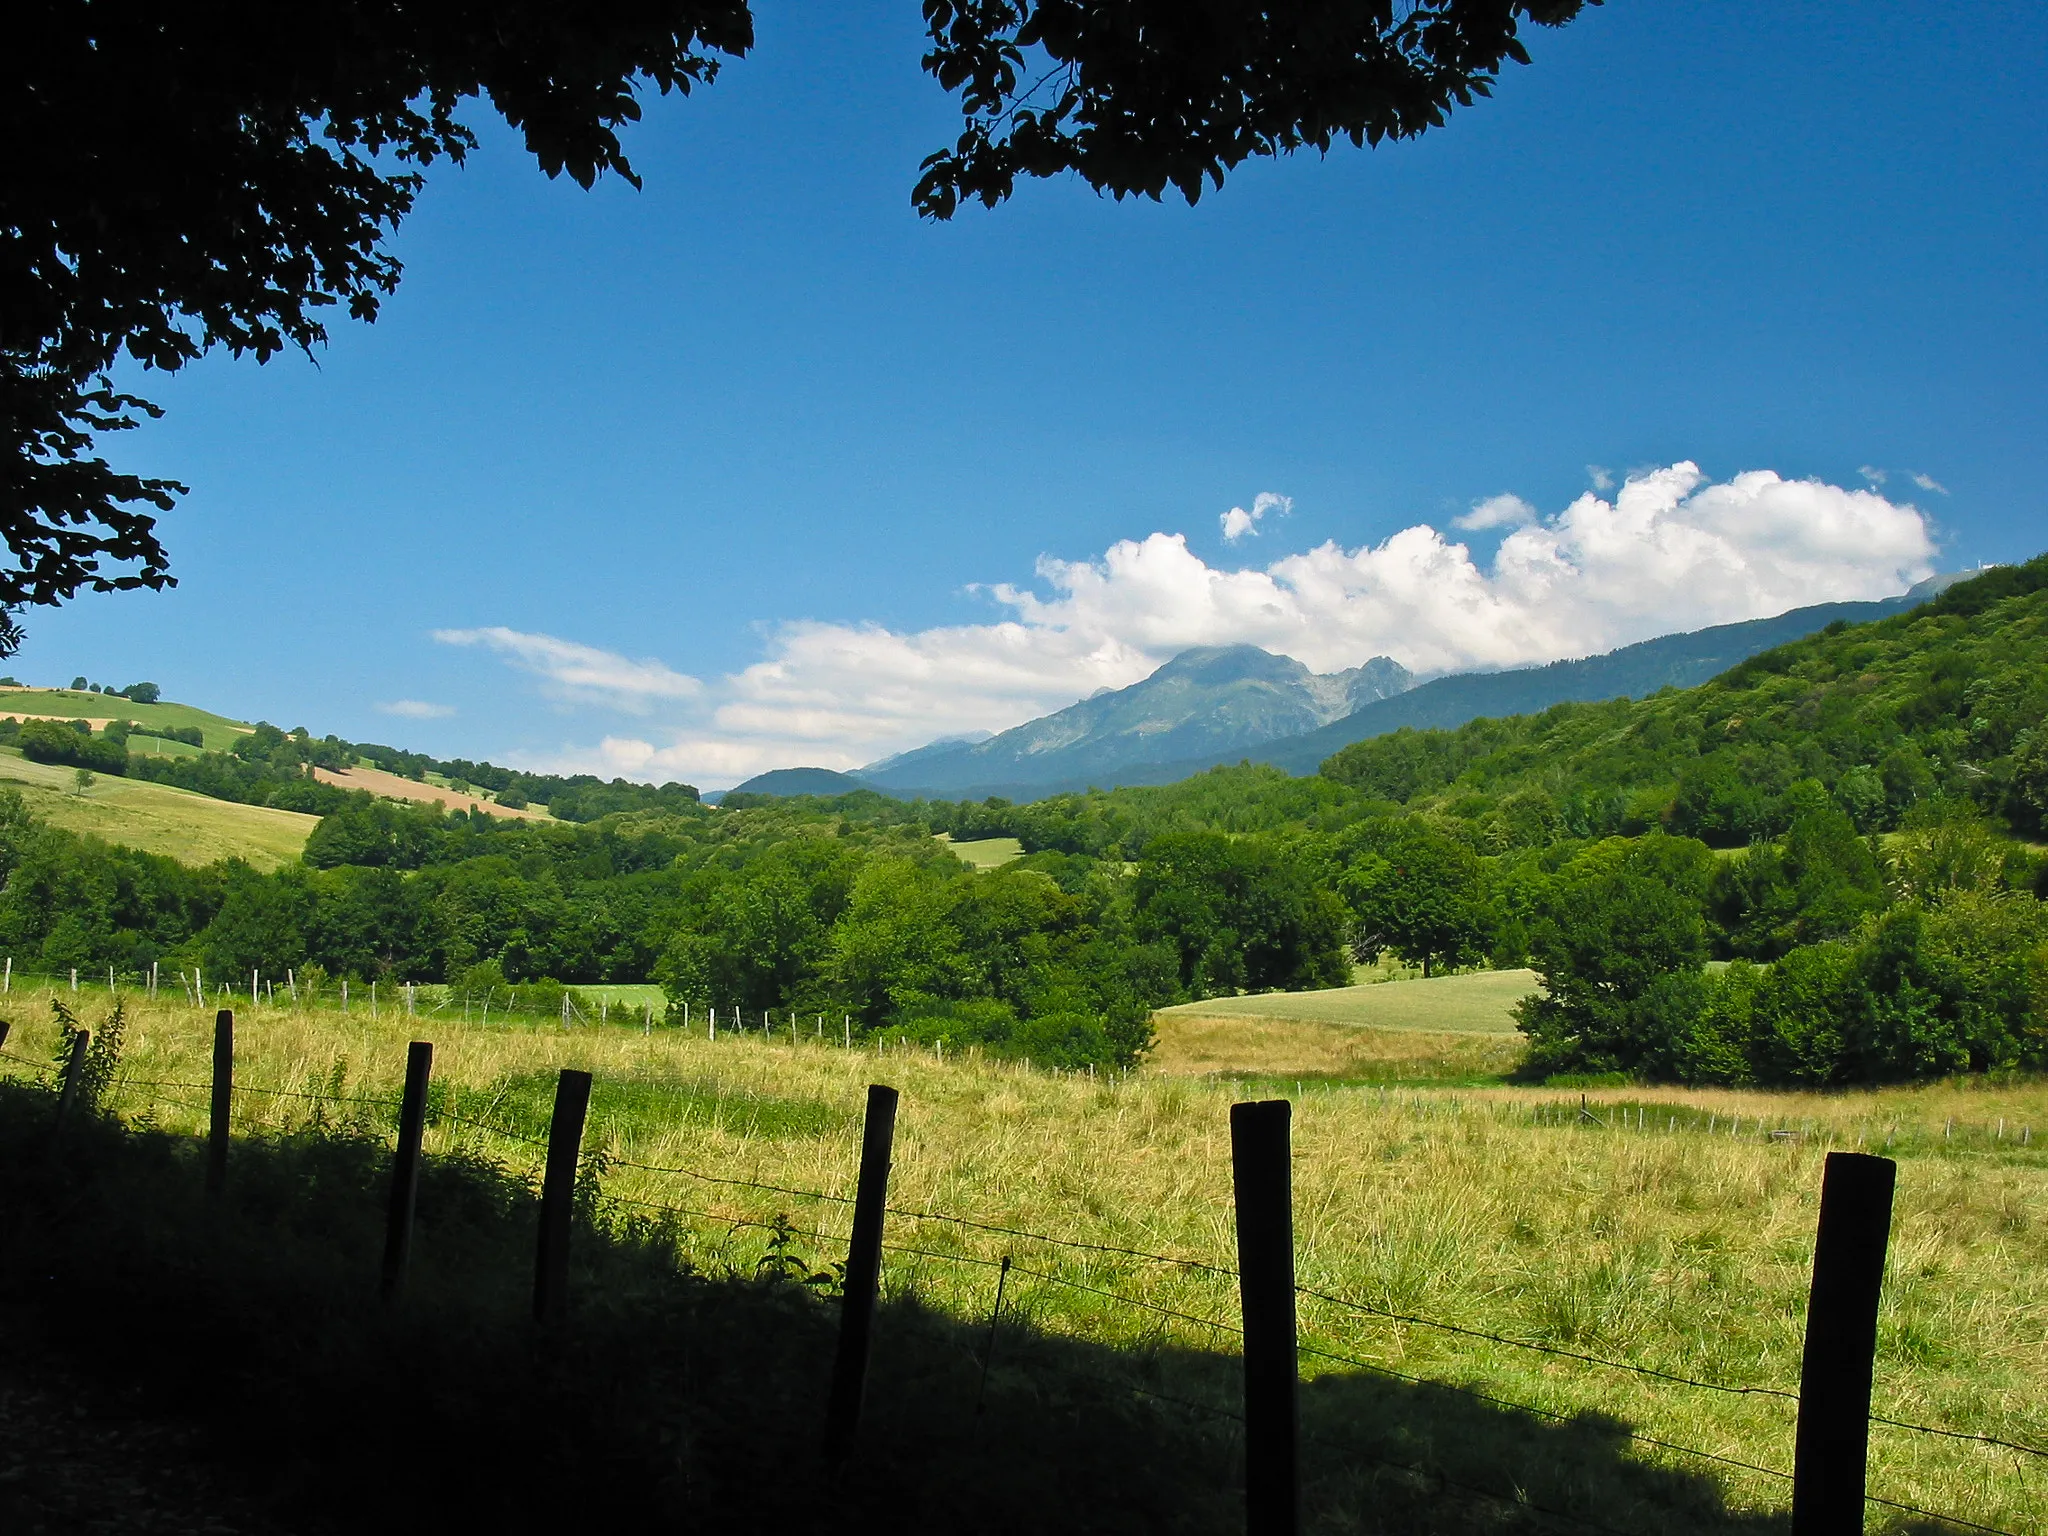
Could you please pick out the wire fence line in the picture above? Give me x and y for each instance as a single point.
(1047, 1239)
(781, 1225)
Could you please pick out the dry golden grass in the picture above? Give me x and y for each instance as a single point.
(1475, 1001)
(1638, 1235)
(394, 786)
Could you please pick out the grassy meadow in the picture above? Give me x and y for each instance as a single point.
(986, 852)
(1668, 1228)
(157, 818)
(1446, 1029)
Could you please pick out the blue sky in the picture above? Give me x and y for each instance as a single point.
(754, 468)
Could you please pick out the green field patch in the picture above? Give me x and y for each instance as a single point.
(643, 1108)
(985, 853)
(1478, 1002)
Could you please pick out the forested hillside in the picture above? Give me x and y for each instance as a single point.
(1944, 701)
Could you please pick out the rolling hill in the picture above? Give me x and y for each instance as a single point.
(157, 818)
(219, 731)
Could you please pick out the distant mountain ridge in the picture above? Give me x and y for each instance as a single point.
(1634, 671)
(1214, 702)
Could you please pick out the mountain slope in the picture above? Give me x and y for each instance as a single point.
(1216, 702)
(1633, 672)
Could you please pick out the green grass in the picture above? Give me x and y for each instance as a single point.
(157, 818)
(161, 746)
(633, 1109)
(1477, 1002)
(1672, 1231)
(633, 995)
(220, 732)
(987, 852)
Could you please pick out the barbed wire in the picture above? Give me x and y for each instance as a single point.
(1957, 1434)
(1930, 1514)
(1545, 1349)
(1547, 1413)
(1066, 1242)
(435, 1116)
(273, 1093)
(939, 1216)
(715, 1178)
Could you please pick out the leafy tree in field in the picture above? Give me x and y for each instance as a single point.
(142, 693)
(1820, 882)
(1615, 923)
(760, 938)
(179, 178)
(894, 945)
(1242, 915)
(1945, 847)
(1417, 892)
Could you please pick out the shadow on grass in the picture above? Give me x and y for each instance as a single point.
(675, 1397)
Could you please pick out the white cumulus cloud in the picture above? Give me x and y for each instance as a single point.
(1928, 483)
(1670, 550)
(1498, 512)
(1237, 522)
(417, 709)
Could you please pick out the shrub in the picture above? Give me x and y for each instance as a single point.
(54, 741)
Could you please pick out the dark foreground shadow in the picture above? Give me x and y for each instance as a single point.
(673, 1399)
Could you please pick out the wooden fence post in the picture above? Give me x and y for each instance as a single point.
(405, 1166)
(1262, 1174)
(1831, 1450)
(74, 1078)
(222, 1101)
(863, 1274)
(558, 1197)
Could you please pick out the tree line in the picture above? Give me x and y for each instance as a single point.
(776, 908)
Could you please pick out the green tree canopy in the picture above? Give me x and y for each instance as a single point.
(1415, 891)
